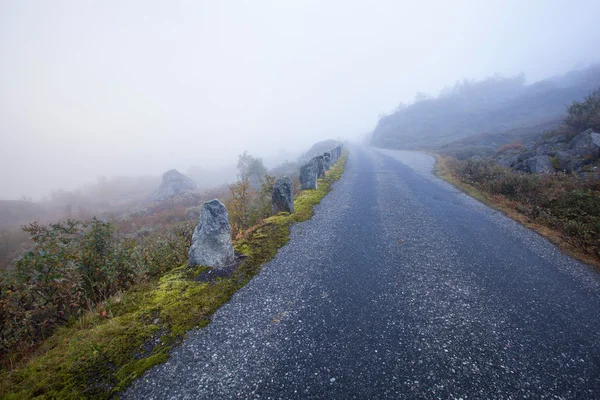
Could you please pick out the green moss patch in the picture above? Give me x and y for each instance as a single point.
(102, 352)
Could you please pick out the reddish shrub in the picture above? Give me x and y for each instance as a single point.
(509, 146)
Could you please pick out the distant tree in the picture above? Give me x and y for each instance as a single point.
(241, 195)
(262, 207)
(585, 114)
(251, 168)
(420, 96)
(401, 106)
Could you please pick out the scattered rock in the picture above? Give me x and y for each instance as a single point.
(211, 241)
(568, 161)
(519, 158)
(174, 184)
(556, 153)
(283, 195)
(552, 145)
(539, 164)
(308, 175)
(586, 144)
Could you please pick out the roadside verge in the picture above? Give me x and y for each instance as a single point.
(511, 208)
(101, 353)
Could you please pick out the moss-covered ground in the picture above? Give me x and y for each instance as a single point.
(102, 352)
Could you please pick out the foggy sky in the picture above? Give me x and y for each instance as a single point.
(103, 88)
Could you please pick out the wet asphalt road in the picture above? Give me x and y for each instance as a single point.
(399, 287)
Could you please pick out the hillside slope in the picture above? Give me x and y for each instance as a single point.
(473, 108)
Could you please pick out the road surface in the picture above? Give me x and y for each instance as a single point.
(399, 287)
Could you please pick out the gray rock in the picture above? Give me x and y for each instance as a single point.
(335, 153)
(476, 158)
(504, 161)
(539, 165)
(586, 144)
(327, 158)
(332, 157)
(283, 195)
(320, 166)
(211, 241)
(338, 152)
(519, 158)
(550, 148)
(569, 161)
(174, 184)
(308, 175)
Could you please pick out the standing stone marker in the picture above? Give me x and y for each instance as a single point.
(308, 175)
(337, 152)
(320, 166)
(327, 158)
(333, 155)
(211, 242)
(283, 195)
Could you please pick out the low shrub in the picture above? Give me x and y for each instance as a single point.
(472, 151)
(508, 147)
(585, 114)
(73, 266)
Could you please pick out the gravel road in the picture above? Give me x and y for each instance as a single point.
(399, 287)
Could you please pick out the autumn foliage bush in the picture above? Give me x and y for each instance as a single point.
(508, 147)
(585, 114)
(73, 266)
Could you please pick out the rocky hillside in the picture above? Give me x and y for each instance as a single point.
(556, 152)
(495, 105)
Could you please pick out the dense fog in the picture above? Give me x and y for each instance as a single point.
(91, 91)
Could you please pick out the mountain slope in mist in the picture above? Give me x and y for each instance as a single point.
(492, 105)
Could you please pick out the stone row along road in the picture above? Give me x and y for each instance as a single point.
(399, 287)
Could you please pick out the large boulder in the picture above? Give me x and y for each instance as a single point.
(569, 161)
(308, 175)
(519, 158)
(211, 241)
(283, 195)
(586, 144)
(550, 146)
(173, 184)
(539, 165)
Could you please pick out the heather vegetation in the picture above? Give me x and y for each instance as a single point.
(94, 303)
(72, 267)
